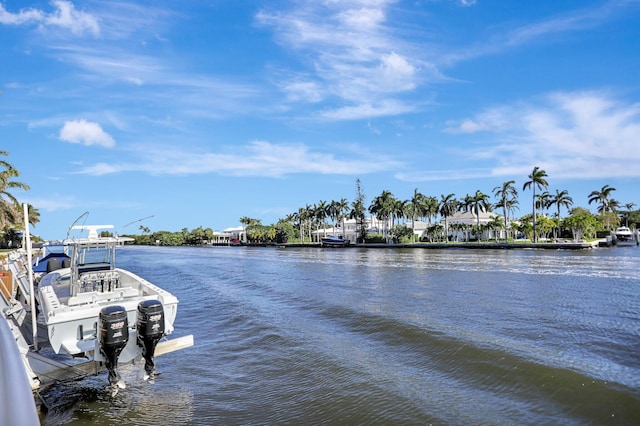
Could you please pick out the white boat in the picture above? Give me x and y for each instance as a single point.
(335, 241)
(625, 237)
(87, 309)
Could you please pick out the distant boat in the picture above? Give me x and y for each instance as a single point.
(625, 237)
(335, 241)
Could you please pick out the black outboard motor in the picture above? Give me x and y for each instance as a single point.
(114, 334)
(150, 325)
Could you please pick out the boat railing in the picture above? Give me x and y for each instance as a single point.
(17, 405)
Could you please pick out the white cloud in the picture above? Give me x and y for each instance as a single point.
(365, 110)
(443, 175)
(353, 55)
(365, 18)
(22, 17)
(259, 158)
(308, 91)
(54, 202)
(576, 20)
(572, 134)
(466, 126)
(494, 119)
(85, 133)
(65, 16)
(396, 73)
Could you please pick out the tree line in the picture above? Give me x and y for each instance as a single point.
(391, 213)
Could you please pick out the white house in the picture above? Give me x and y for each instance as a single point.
(348, 228)
(470, 221)
(237, 233)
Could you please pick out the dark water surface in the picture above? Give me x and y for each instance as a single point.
(383, 336)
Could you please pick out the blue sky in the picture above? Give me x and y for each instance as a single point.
(201, 112)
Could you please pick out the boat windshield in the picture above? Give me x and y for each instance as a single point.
(90, 255)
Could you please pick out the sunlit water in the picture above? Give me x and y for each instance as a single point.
(383, 336)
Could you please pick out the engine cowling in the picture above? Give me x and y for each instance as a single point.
(150, 328)
(114, 335)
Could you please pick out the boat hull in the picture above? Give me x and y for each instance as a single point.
(625, 237)
(72, 321)
(334, 241)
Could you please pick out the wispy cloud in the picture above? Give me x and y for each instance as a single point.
(379, 109)
(65, 15)
(577, 20)
(54, 202)
(570, 134)
(443, 175)
(259, 158)
(352, 57)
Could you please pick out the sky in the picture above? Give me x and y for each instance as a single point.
(200, 112)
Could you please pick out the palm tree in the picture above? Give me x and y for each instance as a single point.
(543, 201)
(614, 205)
(309, 220)
(447, 207)
(382, 208)
(333, 213)
(511, 205)
(342, 208)
(298, 217)
(431, 208)
(320, 213)
(9, 205)
(416, 208)
(246, 221)
(506, 195)
(465, 204)
(33, 214)
(629, 207)
(495, 225)
(538, 180)
(358, 212)
(398, 211)
(602, 197)
(561, 199)
(479, 201)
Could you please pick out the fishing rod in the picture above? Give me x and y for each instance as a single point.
(76, 221)
(131, 223)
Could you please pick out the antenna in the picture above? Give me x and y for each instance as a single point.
(93, 229)
(74, 222)
(135, 221)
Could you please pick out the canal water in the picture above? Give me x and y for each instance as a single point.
(382, 336)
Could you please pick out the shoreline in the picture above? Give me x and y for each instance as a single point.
(428, 246)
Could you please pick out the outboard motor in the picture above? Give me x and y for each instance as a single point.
(150, 325)
(114, 334)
